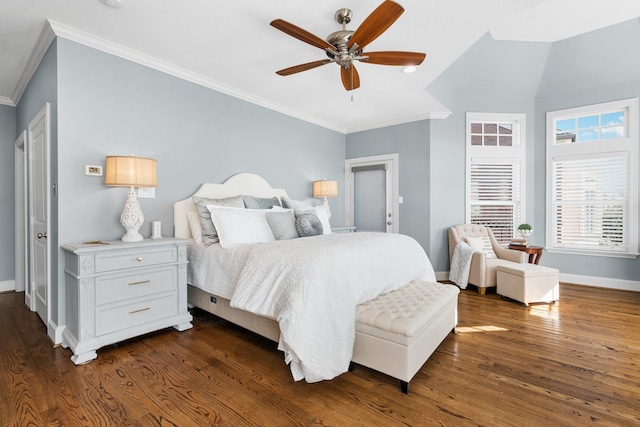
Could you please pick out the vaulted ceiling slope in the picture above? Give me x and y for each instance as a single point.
(229, 46)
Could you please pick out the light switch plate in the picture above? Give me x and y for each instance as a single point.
(146, 193)
(92, 170)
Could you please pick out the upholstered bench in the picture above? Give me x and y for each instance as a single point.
(398, 331)
(528, 283)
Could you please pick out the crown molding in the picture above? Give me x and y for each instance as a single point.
(86, 39)
(42, 44)
(7, 101)
(399, 121)
(54, 29)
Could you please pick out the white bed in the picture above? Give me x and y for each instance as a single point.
(254, 285)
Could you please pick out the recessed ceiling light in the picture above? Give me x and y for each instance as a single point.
(409, 69)
(114, 4)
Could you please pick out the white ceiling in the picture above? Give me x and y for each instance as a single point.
(230, 46)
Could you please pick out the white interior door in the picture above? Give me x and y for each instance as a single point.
(372, 193)
(39, 253)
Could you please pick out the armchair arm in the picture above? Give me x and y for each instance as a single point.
(510, 254)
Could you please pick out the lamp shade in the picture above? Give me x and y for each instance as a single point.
(130, 171)
(325, 189)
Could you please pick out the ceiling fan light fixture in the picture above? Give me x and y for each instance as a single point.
(410, 69)
(345, 47)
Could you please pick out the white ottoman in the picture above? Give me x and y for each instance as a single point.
(528, 283)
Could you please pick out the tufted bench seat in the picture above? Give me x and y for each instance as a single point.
(398, 331)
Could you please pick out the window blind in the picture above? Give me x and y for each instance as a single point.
(590, 202)
(494, 195)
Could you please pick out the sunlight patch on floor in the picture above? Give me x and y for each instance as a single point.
(547, 311)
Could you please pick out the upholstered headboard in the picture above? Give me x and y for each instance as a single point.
(245, 184)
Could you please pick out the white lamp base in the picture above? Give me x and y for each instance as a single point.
(325, 203)
(132, 218)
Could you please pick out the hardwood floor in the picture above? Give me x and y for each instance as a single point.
(575, 363)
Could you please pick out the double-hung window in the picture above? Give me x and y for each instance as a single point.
(495, 172)
(592, 180)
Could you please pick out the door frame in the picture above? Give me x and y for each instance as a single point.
(20, 209)
(43, 115)
(391, 164)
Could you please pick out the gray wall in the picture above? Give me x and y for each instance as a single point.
(592, 68)
(103, 105)
(7, 220)
(491, 77)
(411, 142)
(111, 106)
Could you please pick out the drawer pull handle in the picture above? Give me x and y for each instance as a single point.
(139, 259)
(138, 311)
(139, 283)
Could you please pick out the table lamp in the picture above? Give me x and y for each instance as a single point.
(131, 171)
(325, 189)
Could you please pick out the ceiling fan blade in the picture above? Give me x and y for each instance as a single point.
(302, 67)
(350, 77)
(394, 58)
(301, 34)
(376, 23)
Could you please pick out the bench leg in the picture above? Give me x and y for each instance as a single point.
(404, 386)
(481, 291)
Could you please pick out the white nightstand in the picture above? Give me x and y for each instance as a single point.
(117, 290)
(346, 229)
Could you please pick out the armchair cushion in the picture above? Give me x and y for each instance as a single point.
(482, 244)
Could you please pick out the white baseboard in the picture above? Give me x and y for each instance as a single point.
(576, 279)
(55, 332)
(601, 282)
(442, 275)
(8, 285)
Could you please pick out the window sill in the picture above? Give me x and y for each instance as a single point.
(583, 252)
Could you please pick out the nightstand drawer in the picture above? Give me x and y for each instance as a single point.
(124, 286)
(119, 260)
(115, 318)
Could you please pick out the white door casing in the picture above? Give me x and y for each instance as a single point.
(20, 218)
(39, 214)
(390, 163)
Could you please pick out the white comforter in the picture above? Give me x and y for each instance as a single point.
(312, 285)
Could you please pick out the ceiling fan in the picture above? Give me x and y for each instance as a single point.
(344, 47)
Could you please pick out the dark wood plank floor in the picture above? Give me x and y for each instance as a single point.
(575, 363)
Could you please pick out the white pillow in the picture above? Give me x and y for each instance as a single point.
(194, 225)
(237, 226)
(482, 244)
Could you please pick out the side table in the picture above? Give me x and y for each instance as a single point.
(345, 229)
(535, 252)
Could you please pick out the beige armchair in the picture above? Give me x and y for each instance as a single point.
(483, 269)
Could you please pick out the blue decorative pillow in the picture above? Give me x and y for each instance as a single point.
(283, 225)
(251, 202)
(308, 224)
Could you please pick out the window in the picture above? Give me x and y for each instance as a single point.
(592, 194)
(495, 172)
